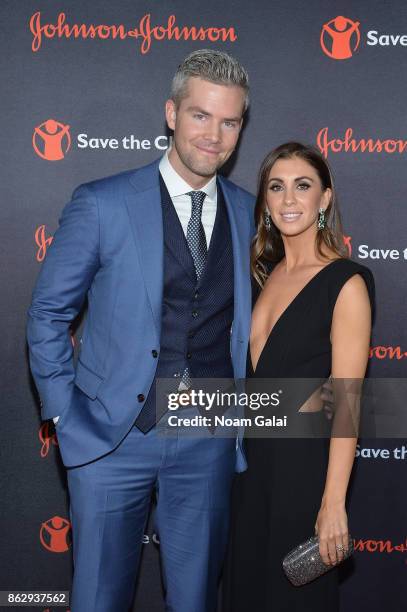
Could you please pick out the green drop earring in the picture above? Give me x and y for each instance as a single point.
(321, 219)
(267, 220)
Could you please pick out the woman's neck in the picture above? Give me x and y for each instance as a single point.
(302, 250)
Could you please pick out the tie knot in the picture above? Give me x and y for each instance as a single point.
(197, 198)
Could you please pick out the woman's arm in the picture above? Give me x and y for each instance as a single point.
(350, 337)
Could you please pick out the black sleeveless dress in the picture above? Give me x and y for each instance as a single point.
(275, 503)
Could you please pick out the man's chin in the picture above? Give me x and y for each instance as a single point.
(205, 170)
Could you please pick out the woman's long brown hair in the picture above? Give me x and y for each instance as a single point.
(268, 246)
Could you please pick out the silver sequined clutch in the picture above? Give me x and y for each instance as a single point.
(304, 563)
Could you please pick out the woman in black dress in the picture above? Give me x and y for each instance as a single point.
(311, 319)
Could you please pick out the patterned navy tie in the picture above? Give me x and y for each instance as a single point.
(196, 240)
(196, 234)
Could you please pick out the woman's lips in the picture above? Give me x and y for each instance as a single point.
(290, 217)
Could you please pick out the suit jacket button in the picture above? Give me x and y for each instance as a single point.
(154, 354)
(140, 397)
(194, 313)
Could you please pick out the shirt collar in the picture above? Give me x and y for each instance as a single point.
(177, 186)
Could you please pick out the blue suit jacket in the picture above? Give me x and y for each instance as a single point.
(109, 246)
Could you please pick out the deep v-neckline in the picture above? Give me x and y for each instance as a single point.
(283, 314)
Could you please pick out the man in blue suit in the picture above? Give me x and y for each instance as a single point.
(162, 254)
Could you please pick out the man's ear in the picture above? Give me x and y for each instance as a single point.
(170, 113)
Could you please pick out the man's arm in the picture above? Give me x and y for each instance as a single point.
(66, 274)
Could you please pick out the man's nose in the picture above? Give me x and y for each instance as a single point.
(213, 132)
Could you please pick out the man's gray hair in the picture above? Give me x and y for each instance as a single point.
(214, 66)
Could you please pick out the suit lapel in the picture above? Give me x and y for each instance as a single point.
(241, 234)
(145, 212)
(174, 235)
(218, 243)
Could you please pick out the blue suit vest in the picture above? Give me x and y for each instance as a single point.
(196, 316)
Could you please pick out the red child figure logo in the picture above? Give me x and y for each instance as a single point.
(347, 240)
(340, 30)
(49, 138)
(54, 534)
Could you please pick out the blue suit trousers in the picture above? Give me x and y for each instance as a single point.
(109, 504)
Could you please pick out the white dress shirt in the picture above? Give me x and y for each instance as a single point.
(178, 188)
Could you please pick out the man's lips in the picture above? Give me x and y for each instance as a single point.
(207, 151)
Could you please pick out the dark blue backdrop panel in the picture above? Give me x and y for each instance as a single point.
(105, 95)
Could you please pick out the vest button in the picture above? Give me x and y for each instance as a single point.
(140, 397)
(194, 313)
(196, 294)
(154, 354)
(189, 355)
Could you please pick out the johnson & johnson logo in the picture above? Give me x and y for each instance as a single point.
(326, 143)
(47, 437)
(387, 352)
(42, 241)
(380, 546)
(144, 31)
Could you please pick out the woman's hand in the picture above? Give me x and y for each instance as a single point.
(332, 529)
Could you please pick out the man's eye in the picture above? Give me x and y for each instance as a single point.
(230, 124)
(199, 116)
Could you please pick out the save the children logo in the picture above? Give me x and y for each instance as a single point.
(347, 241)
(340, 37)
(51, 140)
(55, 534)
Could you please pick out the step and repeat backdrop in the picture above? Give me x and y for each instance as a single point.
(84, 86)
